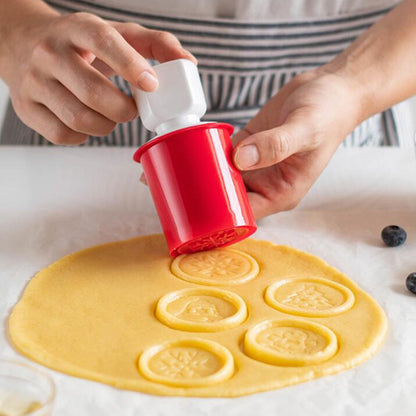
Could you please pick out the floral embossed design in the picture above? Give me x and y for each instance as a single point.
(308, 296)
(293, 340)
(222, 266)
(201, 310)
(217, 239)
(216, 264)
(183, 363)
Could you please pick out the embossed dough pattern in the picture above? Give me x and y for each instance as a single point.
(111, 307)
(309, 296)
(218, 267)
(205, 310)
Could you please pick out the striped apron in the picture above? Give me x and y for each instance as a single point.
(241, 64)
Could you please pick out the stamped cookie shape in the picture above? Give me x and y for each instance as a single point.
(218, 267)
(290, 342)
(309, 296)
(194, 362)
(205, 310)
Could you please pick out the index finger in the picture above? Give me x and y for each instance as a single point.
(106, 43)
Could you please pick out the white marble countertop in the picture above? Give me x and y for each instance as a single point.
(59, 200)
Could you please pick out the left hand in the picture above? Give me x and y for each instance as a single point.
(286, 146)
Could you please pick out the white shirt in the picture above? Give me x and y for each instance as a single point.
(253, 10)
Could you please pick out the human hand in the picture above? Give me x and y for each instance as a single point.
(57, 72)
(286, 146)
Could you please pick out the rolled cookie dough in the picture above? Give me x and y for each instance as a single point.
(222, 323)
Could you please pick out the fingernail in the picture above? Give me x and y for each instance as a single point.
(190, 55)
(247, 156)
(143, 179)
(147, 81)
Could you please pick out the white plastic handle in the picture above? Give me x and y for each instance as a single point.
(178, 102)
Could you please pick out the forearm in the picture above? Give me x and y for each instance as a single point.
(381, 64)
(17, 17)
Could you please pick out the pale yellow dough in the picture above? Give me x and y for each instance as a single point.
(224, 323)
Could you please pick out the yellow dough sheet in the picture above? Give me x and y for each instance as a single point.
(220, 323)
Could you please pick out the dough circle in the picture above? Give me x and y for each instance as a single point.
(290, 342)
(128, 315)
(309, 296)
(206, 310)
(218, 267)
(190, 362)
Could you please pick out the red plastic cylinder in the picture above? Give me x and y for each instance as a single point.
(199, 195)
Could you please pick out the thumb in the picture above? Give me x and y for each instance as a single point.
(268, 147)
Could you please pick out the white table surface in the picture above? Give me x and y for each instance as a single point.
(54, 201)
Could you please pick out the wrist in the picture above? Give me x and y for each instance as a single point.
(359, 91)
(348, 108)
(379, 65)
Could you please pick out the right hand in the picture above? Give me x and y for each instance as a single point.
(57, 73)
(285, 147)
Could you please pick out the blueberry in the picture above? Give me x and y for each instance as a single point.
(411, 282)
(393, 235)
